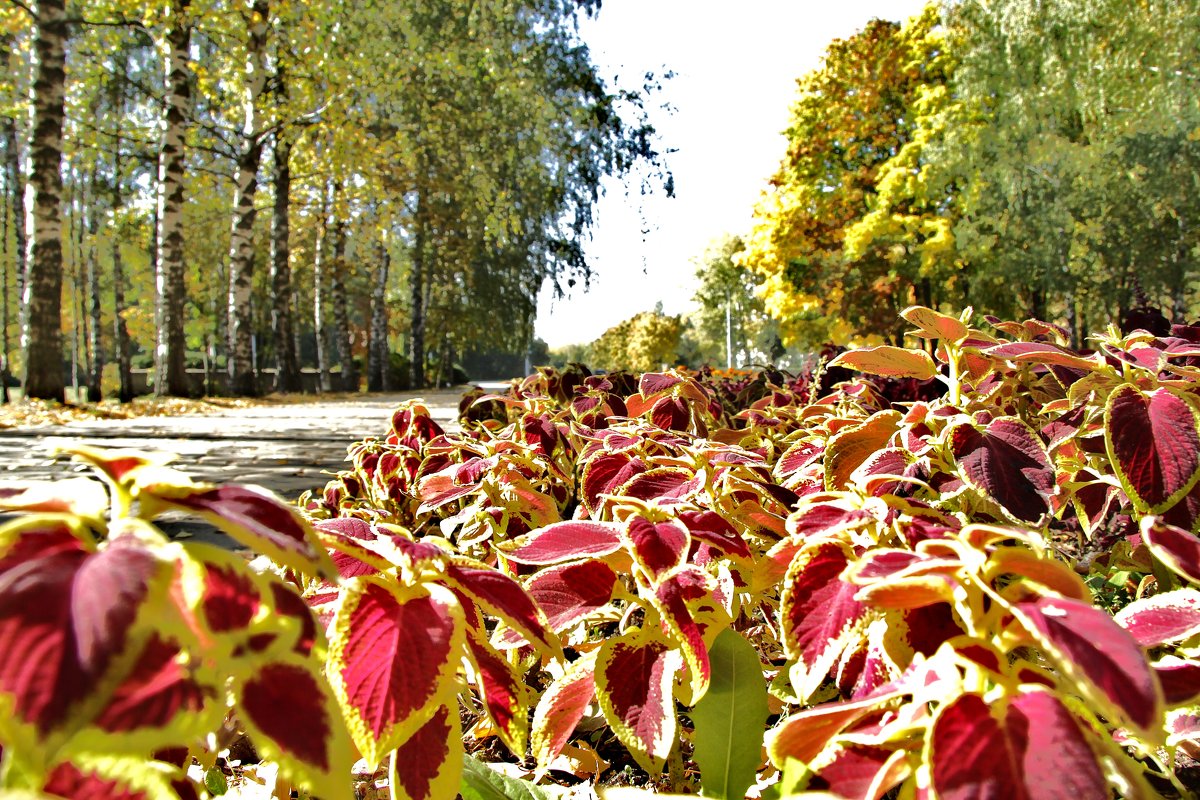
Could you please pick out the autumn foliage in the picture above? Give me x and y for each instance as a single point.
(984, 591)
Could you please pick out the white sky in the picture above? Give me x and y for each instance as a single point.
(736, 66)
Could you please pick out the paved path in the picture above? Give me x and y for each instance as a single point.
(287, 447)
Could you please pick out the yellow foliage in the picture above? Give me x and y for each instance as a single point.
(646, 342)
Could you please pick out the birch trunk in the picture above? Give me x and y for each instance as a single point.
(170, 364)
(43, 372)
(242, 379)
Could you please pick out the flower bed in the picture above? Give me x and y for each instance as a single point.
(965, 570)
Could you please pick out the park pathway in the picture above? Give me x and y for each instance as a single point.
(287, 447)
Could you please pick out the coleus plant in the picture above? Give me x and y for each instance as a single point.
(123, 653)
(404, 619)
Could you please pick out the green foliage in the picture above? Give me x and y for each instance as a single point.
(736, 702)
(481, 782)
(731, 327)
(1024, 158)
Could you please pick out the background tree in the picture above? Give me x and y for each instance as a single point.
(731, 326)
(852, 116)
(648, 341)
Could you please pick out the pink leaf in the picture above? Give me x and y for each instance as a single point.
(560, 709)
(1162, 618)
(1103, 659)
(1057, 763)
(1178, 549)
(657, 546)
(569, 592)
(564, 541)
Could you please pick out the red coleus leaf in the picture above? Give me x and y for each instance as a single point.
(293, 718)
(394, 652)
(654, 383)
(567, 593)
(818, 612)
(230, 600)
(803, 735)
(888, 461)
(970, 754)
(634, 675)
(798, 456)
(675, 594)
(1180, 680)
(65, 617)
(1040, 353)
(413, 427)
(160, 694)
(1056, 760)
(454, 482)
(1101, 658)
(711, 528)
(603, 473)
(656, 546)
(670, 414)
(664, 485)
(1162, 618)
(287, 603)
(1154, 445)
(1178, 549)
(561, 707)
(1007, 463)
(859, 771)
(255, 518)
(112, 778)
(428, 765)
(503, 597)
(1038, 753)
(34, 537)
(502, 687)
(563, 541)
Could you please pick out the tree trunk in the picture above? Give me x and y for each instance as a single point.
(95, 328)
(80, 365)
(287, 367)
(378, 372)
(43, 373)
(341, 314)
(170, 363)
(121, 345)
(5, 284)
(416, 352)
(242, 380)
(323, 380)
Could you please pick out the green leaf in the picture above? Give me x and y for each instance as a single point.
(215, 782)
(729, 718)
(481, 782)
